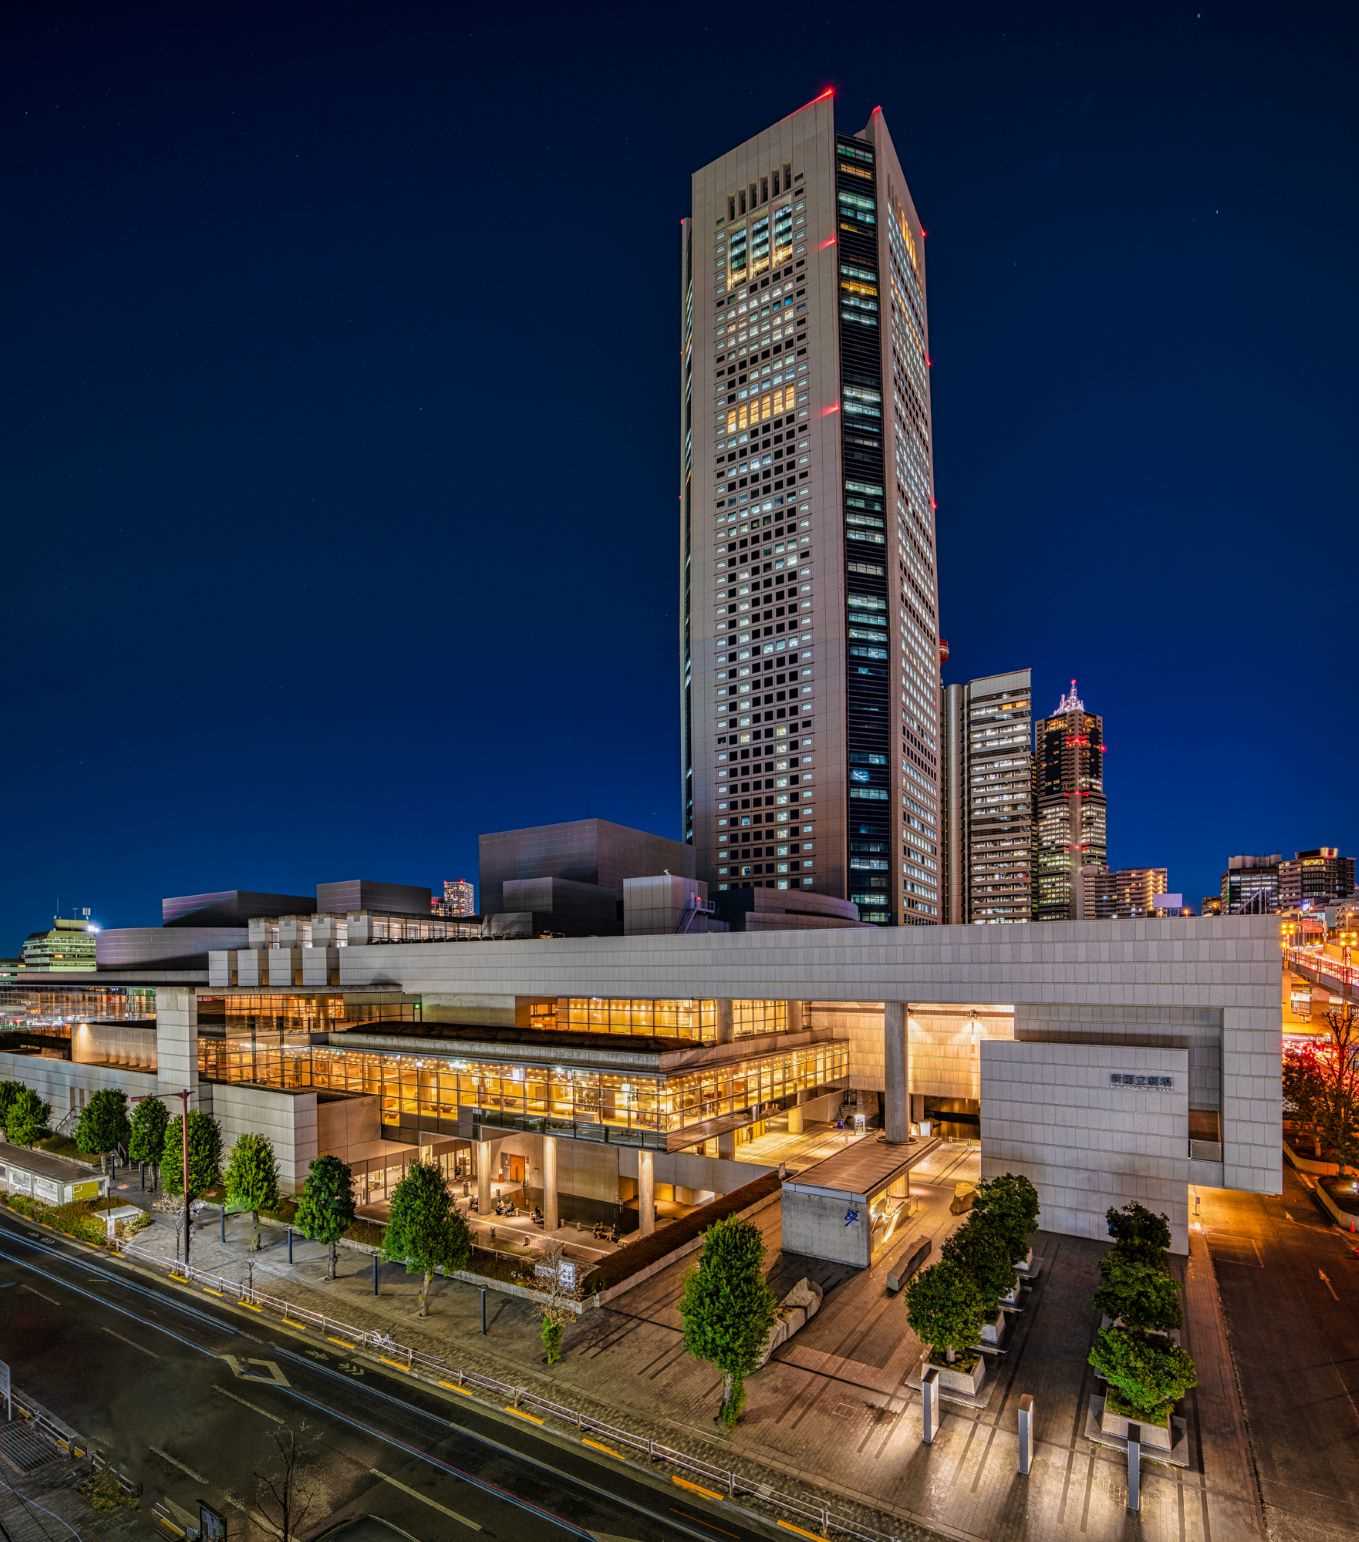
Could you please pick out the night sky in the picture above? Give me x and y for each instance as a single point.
(338, 427)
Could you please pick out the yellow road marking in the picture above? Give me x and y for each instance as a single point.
(396, 1364)
(177, 1531)
(520, 1413)
(250, 1306)
(695, 1488)
(211, 1290)
(253, 1407)
(452, 1386)
(343, 1343)
(425, 1499)
(802, 1532)
(598, 1445)
(183, 1280)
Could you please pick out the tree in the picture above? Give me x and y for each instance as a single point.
(251, 1178)
(425, 1231)
(727, 1307)
(288, 1491)
(1337, 1110)
(205, 1154)
(981, 1249)
(325, 1210)
(1304, 1088)
(945, 1309)
(8, 1092)
(1139, 1231)
(103, 1124)
(1148, 1377)
(1137, 1293)
(26, 1117)
(146, 1141)
(1010, 1202)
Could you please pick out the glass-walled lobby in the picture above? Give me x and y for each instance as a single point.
(694, 1020)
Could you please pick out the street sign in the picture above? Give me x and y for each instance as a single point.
(4, 1390)
(211, 1524)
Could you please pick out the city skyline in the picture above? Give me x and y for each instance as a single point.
(274, 486)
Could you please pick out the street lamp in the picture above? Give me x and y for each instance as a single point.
(184, 1134)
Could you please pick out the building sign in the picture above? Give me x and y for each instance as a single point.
(1144, 1083)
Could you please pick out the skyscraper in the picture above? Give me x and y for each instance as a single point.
(808, 594)
(458, 899)
(1069, 805)
(1125, 893)
(987, 758)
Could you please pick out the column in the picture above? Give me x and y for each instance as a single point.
(485, 1150)
(896, 1110)
(550, 1221)
(726, 1145)
(796, 1016)
(724, 1027)
(646, 1192)
(795, 1117)
(176, 1044)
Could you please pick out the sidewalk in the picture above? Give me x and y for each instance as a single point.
(832, 1410)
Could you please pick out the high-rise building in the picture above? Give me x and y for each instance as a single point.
(1069, 805)
(808, 594)
(458, 899)
(1251, 885)
(1316, 876)
(987, 757)
(67, 946)
(1126, 893)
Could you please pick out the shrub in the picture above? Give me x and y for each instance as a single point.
(1139, 1293)
(1138, 1230)
(980, 1248)
(1148, 1377)
(945, 1309)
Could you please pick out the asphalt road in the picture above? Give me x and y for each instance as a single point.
(1290, 1293)
(188, 1399)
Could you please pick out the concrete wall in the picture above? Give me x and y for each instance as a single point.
(343, 1125)
(289, 1119)
(815, 1224)
(66, 1085)
(119, 1044)
(176, 1040)
(1049, 1111)
(943, 1057)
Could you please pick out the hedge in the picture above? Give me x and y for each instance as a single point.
(76, 1219)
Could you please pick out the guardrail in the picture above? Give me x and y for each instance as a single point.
(67, 1440)
(715, 1482)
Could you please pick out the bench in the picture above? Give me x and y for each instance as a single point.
(916, 1253)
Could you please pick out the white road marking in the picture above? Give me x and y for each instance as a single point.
(424, 1499)
(1326, 1281)
(253, 1407)
(270, 1370)
(175, 1462)
(131, 1344)
(34, 1291)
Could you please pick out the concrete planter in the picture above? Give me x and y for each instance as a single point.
(1156, 1437)
(993, 1332)
(1025, 1264)
(953, 1378)
(1011, 1296)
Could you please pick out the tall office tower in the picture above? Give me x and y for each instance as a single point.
(808, 598)
(1069, 807)
(1315, 876)
(458, 899)
(1250, 886)
(1125, 893)
(987, 759)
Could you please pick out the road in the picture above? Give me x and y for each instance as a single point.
(1290, 1292)
(188, 1399)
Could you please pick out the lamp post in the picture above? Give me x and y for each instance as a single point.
(184, 1136)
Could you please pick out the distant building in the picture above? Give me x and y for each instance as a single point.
(1212, 904)
(1315, 877)
(988, 820)
(68, 946)
(1069, 805)
(459, 899)
(1126, 893)
(1250, 885)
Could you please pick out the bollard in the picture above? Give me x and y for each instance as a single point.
(1134, 1469)
(483, 1309)
(1025, 1434)
(929, 1404)
(375, 1273)
(222, 1215)
(290, 1245)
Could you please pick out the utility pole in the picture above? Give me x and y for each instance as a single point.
(184, 1096)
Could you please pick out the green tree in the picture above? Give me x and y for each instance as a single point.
(1147, 1377)
(205, 1154)
(425, 1231)
(945, 1309)
(147, 1139)
(26, 1117)
(1304, 1089)
(8, 1092)
(103, 1124)
(551, 1327)
(251, 1179)
(325, 1209)
(1010, 1202)
(727, 1307)
(1140, 1294)
(981, 1249)
(1139, 1231)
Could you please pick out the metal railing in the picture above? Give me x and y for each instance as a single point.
(66, 1440)
(725, 1482)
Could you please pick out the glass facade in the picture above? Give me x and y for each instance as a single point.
(636, 1108)
(689, 1019)
(249, 1014)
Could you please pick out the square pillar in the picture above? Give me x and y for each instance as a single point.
(724, 1022)
(176, 1044)
(646, 1192)
(795, 1117)
(796, 1016)
(896, 1109)
(550, 1220)
(485, 1156)
(726, 1145)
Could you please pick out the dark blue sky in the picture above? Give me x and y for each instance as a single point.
(337, 416)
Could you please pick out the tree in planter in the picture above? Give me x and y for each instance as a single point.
(1137, 1293)
(205, 1154)
(325, 1210)
(945, 1309)
(1010, 1202)
(981, 1249)
(1146, 1378)
(26, 1118)
(1139, 1231)
(252, 1179)
(727, 1308)
(425, 1231)
(103, 1124)
(146, 1140)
